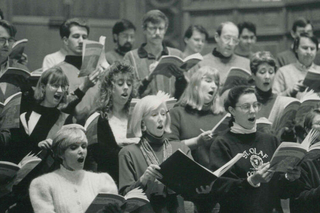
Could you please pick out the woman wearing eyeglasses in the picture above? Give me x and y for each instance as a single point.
(254, 189)
(43, 116)
(42, 121)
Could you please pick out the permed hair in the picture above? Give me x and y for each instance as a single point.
(106, 87)
(193, 97)
(155, 17)
(247, 25)
(66, 26)
(121, 26)
(66, 136)
(52, 76)
(198, 28)
(143, 108)
(260, 58)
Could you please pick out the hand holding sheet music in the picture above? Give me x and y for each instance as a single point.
(289, 154)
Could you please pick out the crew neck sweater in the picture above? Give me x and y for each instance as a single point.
(187, 123)
(258, 148)
(65, 191)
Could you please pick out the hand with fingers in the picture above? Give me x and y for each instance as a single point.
(91, 80)
(293, 174)
(151, 69)
(262, 175)
(45, 144)
(151, 173)
(176, 71)
(204, 137)
(205, 189)
(112, 208)
(297, 87)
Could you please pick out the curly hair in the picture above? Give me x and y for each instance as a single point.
(106, 88)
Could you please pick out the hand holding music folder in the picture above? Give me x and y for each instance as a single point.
(183, 175)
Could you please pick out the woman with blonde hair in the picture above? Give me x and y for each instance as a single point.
(69, 188)
(198, 111)
(139, 163)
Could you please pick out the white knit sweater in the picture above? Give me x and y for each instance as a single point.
(64, 191)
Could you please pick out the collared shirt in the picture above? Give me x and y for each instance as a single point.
(142, 52)
(141, 60)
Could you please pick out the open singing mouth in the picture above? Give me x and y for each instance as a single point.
(81, 159)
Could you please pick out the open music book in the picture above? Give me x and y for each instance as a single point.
(130, 202)
(167, 60)
(183, 175)
(16, 172)
(290, 154)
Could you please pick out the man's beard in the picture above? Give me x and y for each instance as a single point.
(125, 48)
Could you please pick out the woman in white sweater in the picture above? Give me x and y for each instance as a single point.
(70, 188)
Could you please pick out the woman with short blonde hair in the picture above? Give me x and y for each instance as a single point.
(139, 163)
(69, 188)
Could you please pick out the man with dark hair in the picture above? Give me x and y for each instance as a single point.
(301, 25)
(7, 39)
(195, 38)
(222, 57)
(288, 79)
(72, 32)
(247, 39)
(123, 33)
(144, 59)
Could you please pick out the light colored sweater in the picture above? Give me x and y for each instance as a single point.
(223, 65)
(53, 59)
(287, 76)
(64, 191)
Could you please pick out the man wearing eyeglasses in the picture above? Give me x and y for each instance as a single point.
(13, 85)
(222, 57)
(123, 33)
(143, 59)
(247, 39)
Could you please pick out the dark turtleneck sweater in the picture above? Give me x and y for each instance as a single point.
(216, 53)
(267, 99)
(74, 60)
(156, 144)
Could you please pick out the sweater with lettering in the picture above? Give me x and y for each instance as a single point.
(258, 148)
